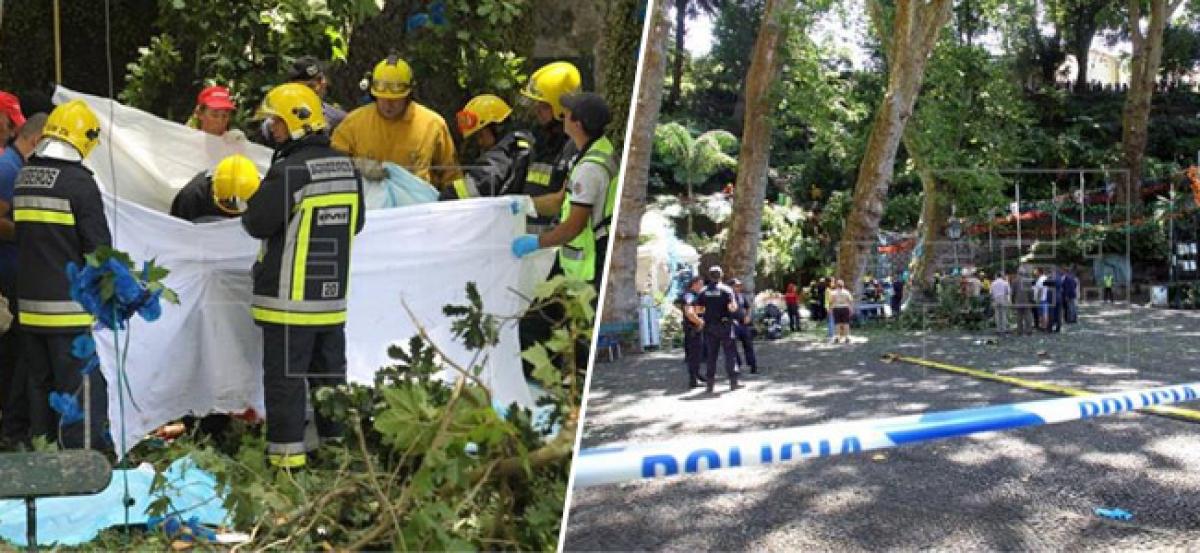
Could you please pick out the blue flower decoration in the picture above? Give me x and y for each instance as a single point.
(437, 13)
(151, 309)
(92, 363)
(177, 528)
(129, 295)
(416, 21)
(67, 408)
(83, 347)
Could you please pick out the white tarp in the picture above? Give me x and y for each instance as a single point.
(205, 354)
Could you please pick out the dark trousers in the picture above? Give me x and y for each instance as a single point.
(794, 317)
(745, 335)
(14, 380)
(1108, 294)
(52, 368)
(715, 340)
(298, 361)
(693, 352)
(1056, 317)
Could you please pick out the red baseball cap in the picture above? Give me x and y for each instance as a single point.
(11, 106)
(215, 97)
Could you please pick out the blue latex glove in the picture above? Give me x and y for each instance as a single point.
(524, 245)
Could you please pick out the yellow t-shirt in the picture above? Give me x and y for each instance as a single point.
(418, 141)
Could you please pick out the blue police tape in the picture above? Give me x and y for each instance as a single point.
(612, 464)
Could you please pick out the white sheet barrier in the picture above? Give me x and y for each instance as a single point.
(205, 354)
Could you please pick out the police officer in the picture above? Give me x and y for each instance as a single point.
(60, 219)
(218, 194)
(503, 165)
(693, 329)
(306, 212)
(719, 307)
(743, 330)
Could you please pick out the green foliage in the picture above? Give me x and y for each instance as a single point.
(693, 159)
(902, 211)
(150, 274)
(426, 464)
(785, 249)
(951, 309)
(246, 46)
(969, 118)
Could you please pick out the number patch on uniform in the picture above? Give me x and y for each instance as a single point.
(329, 289)
(333, 216)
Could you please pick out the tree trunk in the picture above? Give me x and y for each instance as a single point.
(930, 230)
(1083, 46)
(620, 297)
(1147, 54)
(745, 225)
(914, 33)
(681, 7)
(691, 205)
(621, 40)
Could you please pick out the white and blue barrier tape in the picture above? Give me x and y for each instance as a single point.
(608, 465)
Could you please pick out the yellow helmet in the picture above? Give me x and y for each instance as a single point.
(392, 78)
(297, 105)
(234, 181)
(76, 124)
(550, 83)
(480, 112)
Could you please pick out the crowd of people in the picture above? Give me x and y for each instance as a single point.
(51, 214)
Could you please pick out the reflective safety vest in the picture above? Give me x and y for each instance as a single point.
(1108, 281)
(59, 217)
(578, 257)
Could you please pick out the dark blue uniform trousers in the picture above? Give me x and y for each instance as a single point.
(716, 339)
(693, 353)
(745, 335)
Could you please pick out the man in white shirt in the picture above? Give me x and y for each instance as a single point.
(1001, 301)
(1041, 295)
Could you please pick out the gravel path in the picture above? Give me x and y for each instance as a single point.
(1029, 489)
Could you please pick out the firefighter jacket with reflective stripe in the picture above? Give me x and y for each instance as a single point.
(306, 212)
(578, 257)
(59, 218)
(195, 202)
(499, 171)
(553, 152)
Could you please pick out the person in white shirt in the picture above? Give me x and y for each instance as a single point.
(1041, 295)
(1001, 301)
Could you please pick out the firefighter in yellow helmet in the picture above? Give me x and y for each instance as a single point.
(218, 194)
(306, 212)
(60, 219)
(553, 150)
(503, 163)
(396, 128)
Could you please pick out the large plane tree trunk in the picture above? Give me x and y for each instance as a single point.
(620, 297)
(745, 225)
(915, 31)
(1135, 117)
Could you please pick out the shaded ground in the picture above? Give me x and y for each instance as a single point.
(1033, 488)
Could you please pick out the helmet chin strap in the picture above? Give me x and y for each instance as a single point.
(57, 149)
